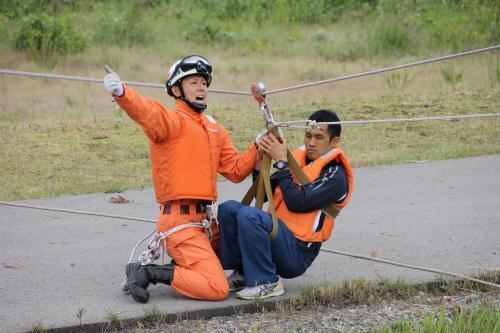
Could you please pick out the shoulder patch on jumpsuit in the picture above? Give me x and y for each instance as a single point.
(210, 119)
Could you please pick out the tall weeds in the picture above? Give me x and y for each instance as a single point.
(382, 27)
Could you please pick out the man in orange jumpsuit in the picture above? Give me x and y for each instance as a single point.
(187, 149)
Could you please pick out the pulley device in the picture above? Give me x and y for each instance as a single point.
(262, 185)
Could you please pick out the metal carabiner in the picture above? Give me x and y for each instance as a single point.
(259, 93)
(153, 251)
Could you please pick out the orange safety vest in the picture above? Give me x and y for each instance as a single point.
(187, 149)
(313, 226)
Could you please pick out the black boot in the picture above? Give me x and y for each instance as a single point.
(137, 281)
(139, 277)
(160, 273)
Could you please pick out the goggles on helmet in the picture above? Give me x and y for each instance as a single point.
(191, 65)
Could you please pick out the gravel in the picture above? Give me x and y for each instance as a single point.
(318, 318)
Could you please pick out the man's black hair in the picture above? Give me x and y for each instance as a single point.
(328, 116)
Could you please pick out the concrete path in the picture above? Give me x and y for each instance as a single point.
(441, 214)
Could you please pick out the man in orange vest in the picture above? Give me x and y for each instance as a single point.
(187, 150)
(258, 262)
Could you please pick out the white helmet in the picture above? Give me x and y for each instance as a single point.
(190, 65)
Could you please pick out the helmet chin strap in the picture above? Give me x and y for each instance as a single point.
(195, 106)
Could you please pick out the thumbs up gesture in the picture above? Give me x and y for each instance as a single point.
(112, 82)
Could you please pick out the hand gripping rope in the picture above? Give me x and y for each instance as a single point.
(262, 184)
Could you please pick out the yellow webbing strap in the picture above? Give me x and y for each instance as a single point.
(260, 195)
(252, 191)
(265, 175)
(260, 189)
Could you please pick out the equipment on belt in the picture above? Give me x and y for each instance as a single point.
(154, 247)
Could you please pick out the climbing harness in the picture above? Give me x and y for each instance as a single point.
(154, 248)
(262, 185)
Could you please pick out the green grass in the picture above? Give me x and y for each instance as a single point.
(111, 154)
(61, 138)
(153, 317)
(49, 161)
(39, 328)
(320, 297)
(280, 27)
(361, 291)
(483, 319)
(114, 321)
(357, 291)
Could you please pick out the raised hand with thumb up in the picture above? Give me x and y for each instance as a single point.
(112, 82)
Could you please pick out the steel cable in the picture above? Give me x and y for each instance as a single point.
(383, 70)
(95, 80)
(6, 203)
(310, 123)
(353, 255)
(420, 268)
(275, 91)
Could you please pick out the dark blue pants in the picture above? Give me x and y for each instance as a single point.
(246, 245)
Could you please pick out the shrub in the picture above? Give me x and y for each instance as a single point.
(45, 37)
(124, 25)
(3, 27)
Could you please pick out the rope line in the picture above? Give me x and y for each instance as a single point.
(284, 124)
(275, 91)
(353, 255)
(420, 268)
(6, 203)
(95, 80)
(139, 243)
(310, 123)
(383, 70)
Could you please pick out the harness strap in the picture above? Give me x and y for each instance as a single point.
(331, 210)
(251, 193)
(265, 177)
(262, 186)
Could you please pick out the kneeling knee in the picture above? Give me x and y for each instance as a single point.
(219, 292)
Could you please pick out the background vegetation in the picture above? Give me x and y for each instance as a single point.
(61, 137)
(385, 27)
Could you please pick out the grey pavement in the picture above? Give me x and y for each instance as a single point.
(440, 214)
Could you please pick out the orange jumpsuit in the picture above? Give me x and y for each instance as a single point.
(187, 149)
